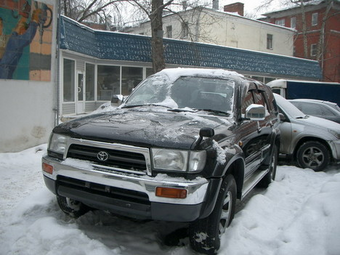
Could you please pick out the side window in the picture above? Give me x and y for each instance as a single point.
(259, 98)
(255, 96)
(311, 109)
(248, 100)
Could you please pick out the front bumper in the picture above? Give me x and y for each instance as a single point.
(128, 194)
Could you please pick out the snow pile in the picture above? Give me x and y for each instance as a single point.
(298, 214)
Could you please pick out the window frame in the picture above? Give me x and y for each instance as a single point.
(185, 30)
(280, 22)
(313, 49)
(270, 39)
(293, 22)
(72, 79)
(169, 31)
(314, 20)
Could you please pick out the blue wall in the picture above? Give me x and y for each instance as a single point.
(128, 47)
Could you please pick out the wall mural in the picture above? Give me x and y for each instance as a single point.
(25, 40)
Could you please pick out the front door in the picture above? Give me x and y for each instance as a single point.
(80, 102)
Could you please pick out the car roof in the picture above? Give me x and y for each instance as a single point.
(312, 101)
(316, 101)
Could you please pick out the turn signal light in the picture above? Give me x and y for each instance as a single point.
(171, 192)
(47, 168)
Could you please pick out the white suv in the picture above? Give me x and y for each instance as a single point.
(311, 141)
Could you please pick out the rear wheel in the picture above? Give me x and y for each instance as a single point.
(313, 155)
(205, 234)
(71, 207)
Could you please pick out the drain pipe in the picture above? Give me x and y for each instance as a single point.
(57, 107)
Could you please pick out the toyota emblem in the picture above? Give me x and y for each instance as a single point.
(102, 156)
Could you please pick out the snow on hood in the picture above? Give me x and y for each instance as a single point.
(144, 125)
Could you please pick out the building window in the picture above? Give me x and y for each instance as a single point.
(68, 80)
(280, 22)
(315, 19)
(313, 50)
(293, 22)
(89, 79)
(169, 31)
(185, 30)
(258, 78)
(108, 82)
(269, 41)
(131, 77)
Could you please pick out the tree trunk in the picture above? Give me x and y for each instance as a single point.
(321, 43)
(158, 61)
(304, 29)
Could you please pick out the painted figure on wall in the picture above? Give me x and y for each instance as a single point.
(24, 53)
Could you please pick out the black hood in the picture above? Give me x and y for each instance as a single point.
(145, 126)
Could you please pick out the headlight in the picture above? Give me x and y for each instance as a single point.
(197, 160)
(177, 160)
(335, 133)
(58, 143)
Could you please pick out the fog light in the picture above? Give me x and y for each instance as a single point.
(47, 168)
(171, 192)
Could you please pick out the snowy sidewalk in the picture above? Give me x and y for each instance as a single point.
(298, 214)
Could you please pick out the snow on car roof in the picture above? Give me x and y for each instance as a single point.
(174, 73)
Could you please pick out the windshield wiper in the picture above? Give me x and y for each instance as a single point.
(302, 117)
(142, 105)
(182, 110)
(215, 111)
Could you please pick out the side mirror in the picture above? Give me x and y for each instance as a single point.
(282, 117)
(117, 100)
(207, 132)
(255, 112)
(204, 132)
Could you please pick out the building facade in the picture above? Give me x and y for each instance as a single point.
(28, 65)
(84, 68)
(228, 28)
(95, 64)
(322, 33)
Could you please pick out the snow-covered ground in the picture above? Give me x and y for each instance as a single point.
(298, 214)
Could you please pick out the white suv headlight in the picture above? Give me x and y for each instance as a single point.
(58, 143)
(178, 160)
(335, 133)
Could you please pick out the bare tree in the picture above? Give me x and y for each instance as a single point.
(93, 10)
(154, 10)
(86, 10)
(155, 14)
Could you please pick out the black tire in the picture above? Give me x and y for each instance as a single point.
(270, 176)
(313, 155)
(205, 234)
(71, 207)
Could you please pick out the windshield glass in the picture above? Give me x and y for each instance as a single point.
(197, 93)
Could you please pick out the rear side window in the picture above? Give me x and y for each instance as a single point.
(315, 109)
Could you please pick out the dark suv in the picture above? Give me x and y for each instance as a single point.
(183, 147)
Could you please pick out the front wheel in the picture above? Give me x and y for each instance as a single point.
(205, 234)
(313, 155)
(71, 207)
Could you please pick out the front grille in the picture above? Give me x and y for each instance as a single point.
(121, 159)
(103, 190)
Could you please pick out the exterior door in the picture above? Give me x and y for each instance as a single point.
(256, 140)
(80, 101)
